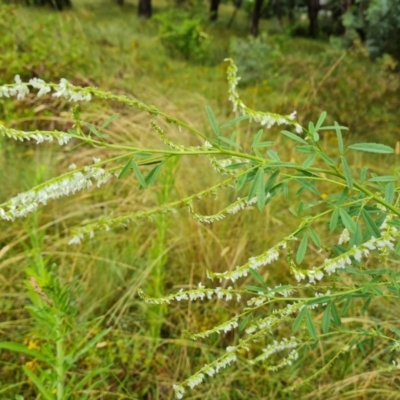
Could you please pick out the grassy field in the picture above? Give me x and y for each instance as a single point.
(143, 352)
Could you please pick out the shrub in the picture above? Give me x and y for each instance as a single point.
(183, 35)
(254, 57)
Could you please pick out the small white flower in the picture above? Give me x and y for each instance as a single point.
(41, 85)
(20, 89)
(344, 237)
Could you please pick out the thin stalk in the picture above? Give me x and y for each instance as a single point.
(60, 362)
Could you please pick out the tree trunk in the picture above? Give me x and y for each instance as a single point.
(313, 9)
(291, 5)
(277, 10)
(144, 9)
(214, 4)
(255, 18)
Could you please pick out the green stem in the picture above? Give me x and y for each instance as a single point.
(60, 362)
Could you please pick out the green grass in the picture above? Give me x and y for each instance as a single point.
(99, 44)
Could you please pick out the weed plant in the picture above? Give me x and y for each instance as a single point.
(102, 276)
(340, 262)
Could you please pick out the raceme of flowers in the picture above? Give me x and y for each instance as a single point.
(200, 293)
(253, 263)
(63, 89)
(383, 244)
(238, 205)
(72, 182)
(277, 347)
(264, 118)
(209, 369)
(40, 137)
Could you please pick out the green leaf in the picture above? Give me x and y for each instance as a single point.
(271, 180)
(340, 138)
(347, 172)
(309, 161)
(257, 277)
(233, 136)
(262, 144)
(236, 166)
(366, 304)
(334, 219)
(308, 185)
(335, 315)
(257, 138)
(273, 155)
(328, 160)
(386, 178)
(240, 182)
(326, 319)
(332, 128)
(314, 236)
(306, 149)
(36, 380)
(376, 290)
(257, 289)
(299, 209)
(20, 348)
(244, 322)
(346, 306)
(259, 180)
(126, 169)
(372, 148)
(138, 174)
(318, 300)
(152, 175)
(229, 142)
(321, 120)
(397, 250)
(94, 130)
(347, 220)
(313, 132)
(395, 222)
(363, 174)
(254, 186)
(301, 251)
(370, 224)
(343, 196)
(282, 164)
(356, 238)
(295, 137)
(234, 121)
(108, 122)
(310, 325)
(378, 272)
(389, 192)
(299, 319)
(142, 154)
(213, 121)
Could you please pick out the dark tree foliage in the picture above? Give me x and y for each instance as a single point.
(145, 9)
(57, 4)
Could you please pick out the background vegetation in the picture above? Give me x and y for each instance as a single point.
(174, 61)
